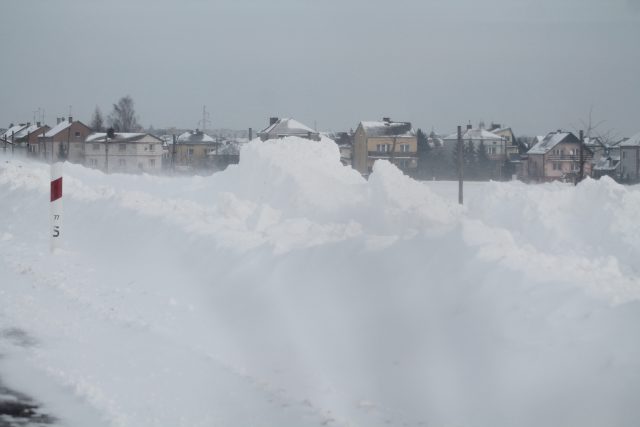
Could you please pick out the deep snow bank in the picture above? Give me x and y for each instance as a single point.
(290, 291)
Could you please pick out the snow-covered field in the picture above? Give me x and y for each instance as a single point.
(289, 291)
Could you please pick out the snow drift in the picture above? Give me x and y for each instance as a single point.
(288, 290)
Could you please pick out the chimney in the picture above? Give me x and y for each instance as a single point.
(38, 124)
(58, 120)
(111, 133)
(11, 125)
(250, 134)
(386, 119)
(273, 120)
(469, 127)
(70, 119)
(28, 123)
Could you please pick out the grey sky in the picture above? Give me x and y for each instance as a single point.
(535, 65)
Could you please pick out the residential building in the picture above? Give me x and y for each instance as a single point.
(385, 140)
(281, 128)
(558, 157)
(64, 141)
(497, 147)
(192, 150)
(123, 152)
(630, 159)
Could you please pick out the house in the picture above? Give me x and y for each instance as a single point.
(557, 157)
(630, 159)
(27, 138)
(64, 141)
(281, 128)
(496, 147)
(388, 140)
(192, 150)
(123, 152)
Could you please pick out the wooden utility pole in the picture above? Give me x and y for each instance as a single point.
(460, 166)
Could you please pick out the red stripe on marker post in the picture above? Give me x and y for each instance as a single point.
(56, 189)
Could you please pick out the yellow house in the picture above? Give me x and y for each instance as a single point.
(388, 140)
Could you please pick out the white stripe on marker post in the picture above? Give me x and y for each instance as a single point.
(56, 205)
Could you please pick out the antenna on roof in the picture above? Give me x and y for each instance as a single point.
(205, 119)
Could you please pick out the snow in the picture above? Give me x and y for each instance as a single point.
(64, 124)
(289, 291)
(118, 136)
(476, 134)
(384, 128)
(634, 141)
(287, 127)
(549, 141)
(12, 130)
(195, 137)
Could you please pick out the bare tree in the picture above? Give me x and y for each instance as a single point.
(97, 122)
(123, 118)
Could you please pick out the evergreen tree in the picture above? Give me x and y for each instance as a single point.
(484, 162)
(470, 161)
(424, 155)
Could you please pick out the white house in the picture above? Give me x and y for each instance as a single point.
(630, 159)
(124, 152)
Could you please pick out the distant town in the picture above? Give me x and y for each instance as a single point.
(493, 151)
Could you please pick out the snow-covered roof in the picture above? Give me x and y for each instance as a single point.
(287, 127)
(27, 130)
(476, 135)
(117, 137)
(551, 140)
(12, 130)
(195, 137)
(58, 128)
(634, 141)
(610, 163)
(388, 128)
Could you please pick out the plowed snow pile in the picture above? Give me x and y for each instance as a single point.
(290, 291)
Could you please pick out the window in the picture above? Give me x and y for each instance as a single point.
(93, 162)
(122, 162)
(77, 135)
(152, 163)
(190, 152)
(96, 147)
(383, 148)
(624, 154)
(122, 147)
(151, 147)
(557, 166)
(404, 148)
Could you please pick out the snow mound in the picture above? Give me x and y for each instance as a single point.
(289, 291)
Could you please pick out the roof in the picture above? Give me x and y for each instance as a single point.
(287, 127)
(610, 163)
(118, 137)
(195, 137)
(58, 128)
(551, 140)
(27, 130)
(634, 141)
(475, 135)
(388, 128)
(13, 129)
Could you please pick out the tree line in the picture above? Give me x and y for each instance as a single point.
(123, 117)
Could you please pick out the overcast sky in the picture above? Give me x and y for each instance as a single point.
(535, 65)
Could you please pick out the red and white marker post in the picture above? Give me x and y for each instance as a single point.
(56, 205)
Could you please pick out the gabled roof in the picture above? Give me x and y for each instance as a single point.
(287, 127)
(476, 135)
(119, 137)
(12, 130)
(634, 141)
(58, 128)
(387, 128)
(27, 130)
(551, 140)
(195, 137)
